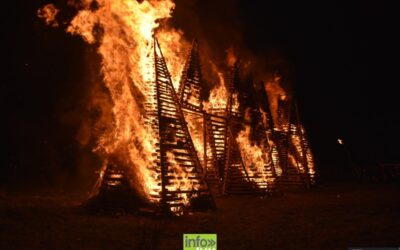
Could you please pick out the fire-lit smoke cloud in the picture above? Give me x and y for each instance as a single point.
(231, 57)
(216, 26)
(48, 13)
(221, 32)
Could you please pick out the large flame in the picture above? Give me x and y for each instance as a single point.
(124, 30)
(174, 49)
(219, 95)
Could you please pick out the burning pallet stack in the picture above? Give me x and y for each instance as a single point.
(199, 153)
(239, 176)
(295, 153)
(177, 154)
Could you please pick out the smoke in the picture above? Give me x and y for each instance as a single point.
(86, 114)
(221, 30)
(97, 108)
(203, 20)
(225, 39)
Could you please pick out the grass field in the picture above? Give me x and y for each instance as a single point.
(334, 216)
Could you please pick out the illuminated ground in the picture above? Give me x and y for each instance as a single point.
(328, 217)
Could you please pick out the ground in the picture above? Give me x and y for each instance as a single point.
(330, 216)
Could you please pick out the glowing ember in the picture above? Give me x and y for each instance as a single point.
(235, 103)
(48, 13)
(196, 129)
(275, 158)
(296, 141)
(180, 181)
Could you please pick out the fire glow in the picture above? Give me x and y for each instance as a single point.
(130, 36)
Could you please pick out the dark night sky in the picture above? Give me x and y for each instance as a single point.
(326, 46)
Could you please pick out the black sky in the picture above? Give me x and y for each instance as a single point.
(326, 46)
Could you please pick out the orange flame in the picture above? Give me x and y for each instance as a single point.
(254, 157)
(275, 92)
(125, 45)
(175, 48)
(218, 98)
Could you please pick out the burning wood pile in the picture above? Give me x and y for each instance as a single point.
(167, 145)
